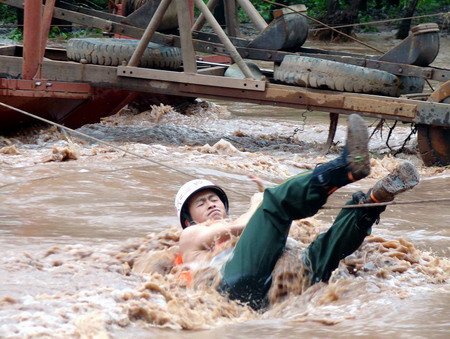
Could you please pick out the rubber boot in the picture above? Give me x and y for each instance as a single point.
(353, 164)
(402, 178)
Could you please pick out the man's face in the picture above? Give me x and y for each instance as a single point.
(206, 205)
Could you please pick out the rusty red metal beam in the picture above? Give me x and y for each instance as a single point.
(46, 22)
(31, 38)
(44, 89)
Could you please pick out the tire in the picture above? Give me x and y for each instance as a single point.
(434, 145)
(114, 52)
(434, 141)
(327, 74)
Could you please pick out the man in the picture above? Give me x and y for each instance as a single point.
(246, 276)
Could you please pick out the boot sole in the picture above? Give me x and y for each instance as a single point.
(403, 178)
(358, 148)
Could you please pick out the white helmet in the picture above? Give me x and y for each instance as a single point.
(191, 187)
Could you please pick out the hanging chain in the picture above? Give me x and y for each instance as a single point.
(391, 129)
(413, 131)
(299, 129)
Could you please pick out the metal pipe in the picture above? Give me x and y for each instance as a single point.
(253, 14)
(201, 18)
(148, 34)
(224, 39)
(31, 38)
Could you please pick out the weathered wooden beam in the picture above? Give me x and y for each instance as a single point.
(187, 48)
(190, 78)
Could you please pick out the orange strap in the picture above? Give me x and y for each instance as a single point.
(185, 276)
(332, 190)
(178, 260)
(372, 197)
(350, 176)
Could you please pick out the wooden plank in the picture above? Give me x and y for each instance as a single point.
(399, 109)
(187, 48)
(324, 101)
(189, 78)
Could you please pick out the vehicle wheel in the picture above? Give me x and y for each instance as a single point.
(434, 141)
(434, 145)
(113, 52)
(327, 74)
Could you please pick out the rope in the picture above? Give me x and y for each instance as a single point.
(406, 202)
(188, 174)
(108, 144)
(96, 139)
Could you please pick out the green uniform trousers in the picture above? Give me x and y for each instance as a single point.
(247, 274)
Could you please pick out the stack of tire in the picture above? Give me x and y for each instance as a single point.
(327, 74)
(114, 52)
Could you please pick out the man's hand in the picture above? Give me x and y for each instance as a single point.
(258, 182)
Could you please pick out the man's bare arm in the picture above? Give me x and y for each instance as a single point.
(197, 240)
(254, 204)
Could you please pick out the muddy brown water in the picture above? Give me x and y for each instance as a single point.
(69, 228)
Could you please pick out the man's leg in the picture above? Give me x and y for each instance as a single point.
(352, 225)
(247, 275)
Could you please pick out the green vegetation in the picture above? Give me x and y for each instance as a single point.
(13, 16)
(56, 33)
(369, 9)
(8, 15)
(16, 34)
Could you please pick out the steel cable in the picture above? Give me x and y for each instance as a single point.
(186, 173)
